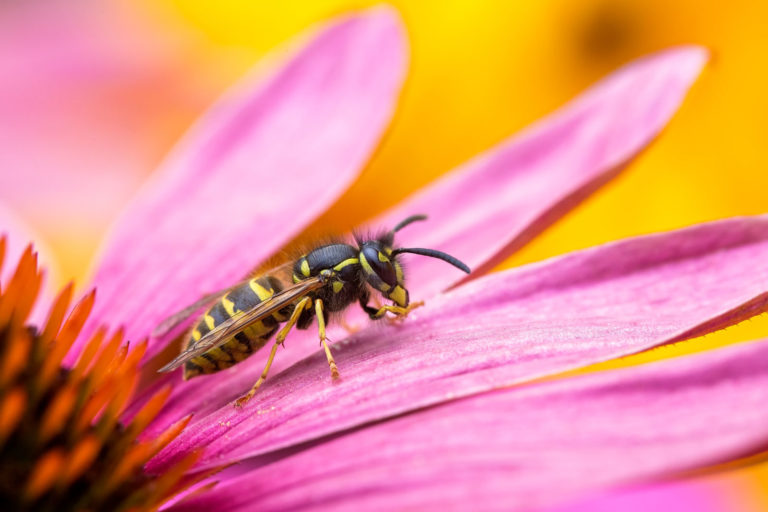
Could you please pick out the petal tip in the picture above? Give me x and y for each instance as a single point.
(696, 56)
(385, 22)
(686, 60)
(383, 14)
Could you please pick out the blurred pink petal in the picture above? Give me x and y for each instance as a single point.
(18, 236)
(264, 162)
(699, 495)
(503, 329)
(491, 206)
(525, 448)
(85, 100)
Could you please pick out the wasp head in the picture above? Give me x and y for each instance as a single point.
(382, 271)
(381, 268)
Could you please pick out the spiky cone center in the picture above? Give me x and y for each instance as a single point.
(62, 444)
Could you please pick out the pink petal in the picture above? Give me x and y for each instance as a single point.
(527, 448)
(700, 495)
(504, 329)
(18, 236)
(496, 203)
(265, 161)
(85, 96)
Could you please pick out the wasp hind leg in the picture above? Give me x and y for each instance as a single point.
(321, 332)
(305, 303)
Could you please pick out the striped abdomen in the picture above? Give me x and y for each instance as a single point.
(241, 298)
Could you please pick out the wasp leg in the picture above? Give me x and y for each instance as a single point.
(370, 311)
(305, 303)
(321, 331)
(397, 310)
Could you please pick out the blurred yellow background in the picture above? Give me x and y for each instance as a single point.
(480, 71)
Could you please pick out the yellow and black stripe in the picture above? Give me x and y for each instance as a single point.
(241, 298)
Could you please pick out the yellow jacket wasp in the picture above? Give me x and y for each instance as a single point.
(327, 279)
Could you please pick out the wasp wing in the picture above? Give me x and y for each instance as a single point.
(174, 320)
(177, 318)
(226, 330)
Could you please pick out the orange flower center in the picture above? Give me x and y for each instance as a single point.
(62, 444)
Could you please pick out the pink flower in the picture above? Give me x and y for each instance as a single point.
(441, 411)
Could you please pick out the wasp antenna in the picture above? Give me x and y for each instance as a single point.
(409, 220)
(434, 254)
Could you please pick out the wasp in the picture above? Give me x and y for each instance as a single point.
(327, 279)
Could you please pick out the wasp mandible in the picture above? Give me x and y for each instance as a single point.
(325, 280)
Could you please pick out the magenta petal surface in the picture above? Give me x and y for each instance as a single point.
(525, 448)
(504, 329)
(494, 204)
(267, 159)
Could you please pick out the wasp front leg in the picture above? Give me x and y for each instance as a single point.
(371, 312)
(398, 311)
(305, 303)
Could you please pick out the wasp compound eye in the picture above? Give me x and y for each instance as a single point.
(379, 264)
